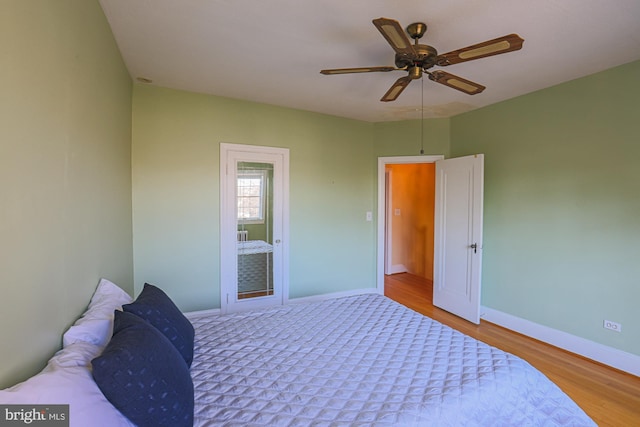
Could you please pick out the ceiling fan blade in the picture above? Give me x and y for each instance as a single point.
(497, 46)
(455, 82)
(396, 89)
(356, 70)
(393, 32)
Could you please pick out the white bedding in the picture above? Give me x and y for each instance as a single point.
(249, 247)
(362, 360)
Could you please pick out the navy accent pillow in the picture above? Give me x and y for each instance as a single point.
(144, 376)
(154, 306)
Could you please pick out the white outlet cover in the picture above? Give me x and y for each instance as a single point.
(614, 326)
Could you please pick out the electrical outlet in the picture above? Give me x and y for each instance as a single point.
(614, 326)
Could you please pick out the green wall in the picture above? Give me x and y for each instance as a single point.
(562, 204)
(65, 173)
(406, 138)
(175, 160)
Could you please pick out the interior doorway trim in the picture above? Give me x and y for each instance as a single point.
(382, 214)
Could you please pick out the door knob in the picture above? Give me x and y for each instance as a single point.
(474, 247)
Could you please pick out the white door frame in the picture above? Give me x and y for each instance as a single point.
(388, 223)
(228, 226)
(382, 214)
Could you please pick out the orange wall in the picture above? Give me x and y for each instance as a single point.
(413, 193)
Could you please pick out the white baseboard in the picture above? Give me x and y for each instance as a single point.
(397, 268)
(610, 356)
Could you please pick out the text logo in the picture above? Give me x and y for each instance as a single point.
(34, 415)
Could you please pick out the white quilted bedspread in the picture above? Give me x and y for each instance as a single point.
(362, 360)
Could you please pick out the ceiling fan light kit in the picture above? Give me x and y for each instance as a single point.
(418, 58)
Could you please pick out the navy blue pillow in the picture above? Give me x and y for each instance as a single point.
(144, 376)
(154, 306)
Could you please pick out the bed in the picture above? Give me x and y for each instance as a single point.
(353, 361)
(362, 360)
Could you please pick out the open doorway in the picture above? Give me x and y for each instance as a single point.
(405, 234)
(409, 228)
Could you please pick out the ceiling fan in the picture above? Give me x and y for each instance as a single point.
(418, 58)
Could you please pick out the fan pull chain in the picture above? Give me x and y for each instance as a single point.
(422, 121)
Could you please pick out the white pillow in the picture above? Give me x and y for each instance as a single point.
(96, 324)
(67, 380)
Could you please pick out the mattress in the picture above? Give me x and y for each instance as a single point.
(362, 360)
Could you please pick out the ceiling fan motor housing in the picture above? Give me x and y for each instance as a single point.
(425, 57)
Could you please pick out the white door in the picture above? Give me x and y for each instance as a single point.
(458, 236)
(254, 188)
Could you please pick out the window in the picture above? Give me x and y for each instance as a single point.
(251, 195)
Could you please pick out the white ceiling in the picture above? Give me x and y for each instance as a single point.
(271, 51)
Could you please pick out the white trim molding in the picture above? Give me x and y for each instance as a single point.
(397, 268)
(610, 356)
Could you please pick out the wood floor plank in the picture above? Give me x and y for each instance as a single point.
(609, 396)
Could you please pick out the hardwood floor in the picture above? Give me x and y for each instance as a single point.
(610, 397)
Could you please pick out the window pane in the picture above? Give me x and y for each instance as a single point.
(250, 195)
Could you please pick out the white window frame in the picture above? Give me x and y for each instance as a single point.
(262, 175)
